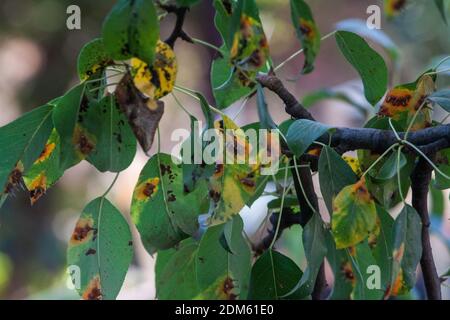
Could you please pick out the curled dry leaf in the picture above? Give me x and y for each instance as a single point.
(142, 112)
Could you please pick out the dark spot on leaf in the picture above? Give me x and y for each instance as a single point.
(91, 251)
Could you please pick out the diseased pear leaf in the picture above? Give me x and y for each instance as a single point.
(131, 29)
(354, 215)
(307, 32)
(163, 214)
(93, 60)
(101, 247)
(220, 274)
(21, 142)
(46, 170)
(407, 249)
(158, 79)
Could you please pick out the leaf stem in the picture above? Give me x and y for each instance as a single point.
(207, 44)
(379, 159)
(284, 62)
(191, 92)
(111, 185)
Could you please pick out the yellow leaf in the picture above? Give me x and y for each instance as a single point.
(157, 80)
(354, 215)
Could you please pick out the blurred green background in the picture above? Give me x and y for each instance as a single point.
(38, 57)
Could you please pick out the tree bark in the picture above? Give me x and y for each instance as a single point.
(420, 179)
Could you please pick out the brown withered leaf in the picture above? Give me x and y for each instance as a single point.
(142, 112)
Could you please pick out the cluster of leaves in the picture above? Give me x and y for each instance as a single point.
(189, 214)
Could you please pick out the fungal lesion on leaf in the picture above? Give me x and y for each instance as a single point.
(15, 178)
(37, 187)
(83, 141)
(84, 231)
(307, 28)
(46, 153)
(147, 189)
(93, 290)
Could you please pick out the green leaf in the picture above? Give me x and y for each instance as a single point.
(21, 143)
(361, 261)
(302, 133)
(381, 243)
(442, 9)
(341, 265)
(391, 166)
(359, 27)
(227, 88)
(334, 175)
(220, 274)
(101, 246)
(307, 32)
(115, 146)
(265, 119)
(367, 62)
(273, 275)
(222, 19)
(442, 98)
(175, 272)
(76, 142)
(164, 215)
(354, 215)
(443, 163)
(407, 246)
(314, 241)
(132, 30)
(46, 170)
(92, 60)
(437, 201)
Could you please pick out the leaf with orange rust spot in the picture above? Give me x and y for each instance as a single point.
(163, 213)
(245, 53)
(235, 181)
(21, 143)
(45, 171)
(221, 274)
(100, 246)
(354, 215)
(405, 100)
(407, 248)
(393, 8)
(307, 32)
(68, 118)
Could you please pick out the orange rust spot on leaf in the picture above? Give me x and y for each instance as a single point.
(398, 254)
(38, 187)
(347, 272)
(83, 231)
(360, 190)
(396, 101)
(147, 189)
(307, 29)
(315, 151)
(46, 153)
(225, 289)
(93, 291)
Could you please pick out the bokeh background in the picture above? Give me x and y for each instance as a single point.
(38, 56)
